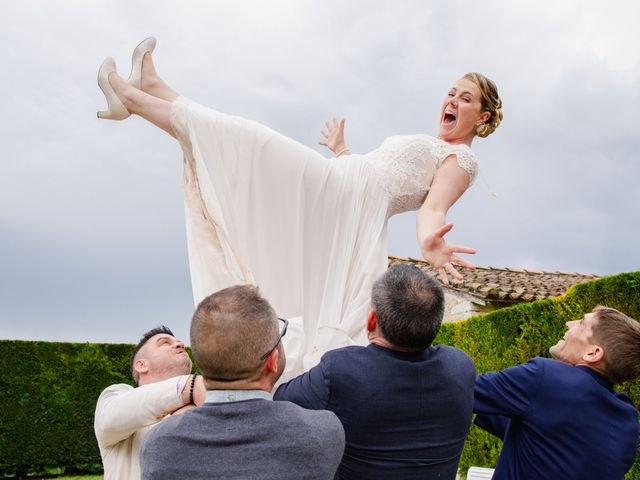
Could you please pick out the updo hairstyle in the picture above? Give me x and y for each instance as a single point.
(491, 103)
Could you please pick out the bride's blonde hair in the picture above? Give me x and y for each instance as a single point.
(491, 103)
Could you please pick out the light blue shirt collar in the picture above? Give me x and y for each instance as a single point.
(222, 396)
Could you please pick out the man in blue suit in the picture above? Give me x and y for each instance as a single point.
(561, 419)
(405, 405)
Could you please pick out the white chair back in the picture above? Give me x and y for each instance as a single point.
(480, 473)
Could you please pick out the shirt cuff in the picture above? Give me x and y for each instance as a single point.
(180, 386)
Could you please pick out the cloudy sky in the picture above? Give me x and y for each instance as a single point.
(92, 237)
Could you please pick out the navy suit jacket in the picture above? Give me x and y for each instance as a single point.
(557, 421)
(405, 415)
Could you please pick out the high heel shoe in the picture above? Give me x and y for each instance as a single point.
(147, 45)
(115, 109)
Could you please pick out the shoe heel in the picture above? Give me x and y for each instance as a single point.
(147, 45)
(115, 109)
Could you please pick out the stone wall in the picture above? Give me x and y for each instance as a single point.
(458, 306)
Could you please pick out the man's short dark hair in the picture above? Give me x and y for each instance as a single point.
(409, 305)
(230, 330)
(145, 338)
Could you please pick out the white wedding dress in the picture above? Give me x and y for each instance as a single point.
(311, 232)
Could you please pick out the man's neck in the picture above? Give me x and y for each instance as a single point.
(148, 379)
(598, 368)
(263, 385)
(384, 343)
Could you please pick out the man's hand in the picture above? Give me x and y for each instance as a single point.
(199, 391)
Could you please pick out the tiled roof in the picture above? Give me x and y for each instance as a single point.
(506, 284)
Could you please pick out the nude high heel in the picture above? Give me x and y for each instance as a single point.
(147, 45)
(115, 109)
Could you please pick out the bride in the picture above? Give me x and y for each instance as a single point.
(311, 232)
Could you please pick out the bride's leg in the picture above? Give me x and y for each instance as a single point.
(154, 109)
(151, 82)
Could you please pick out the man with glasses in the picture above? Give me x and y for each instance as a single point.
(239, 433)
(405, 405)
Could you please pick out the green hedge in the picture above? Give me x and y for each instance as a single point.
(49, 393)
(513, 335)
(49, 390)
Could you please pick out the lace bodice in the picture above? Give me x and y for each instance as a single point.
(404, 165)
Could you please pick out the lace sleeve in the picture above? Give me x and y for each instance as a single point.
(467, 161)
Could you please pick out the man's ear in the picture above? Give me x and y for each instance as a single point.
(594, 355)
(372, 320)
(271, 365)
(141, 366)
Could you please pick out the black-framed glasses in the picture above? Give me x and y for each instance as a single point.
(284, 330)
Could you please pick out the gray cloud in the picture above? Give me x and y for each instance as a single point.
(92, 241)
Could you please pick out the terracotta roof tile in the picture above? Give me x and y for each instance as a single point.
(507, 284)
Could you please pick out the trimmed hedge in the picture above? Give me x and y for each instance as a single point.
(49, 393)
(513, 335)
(49, 390)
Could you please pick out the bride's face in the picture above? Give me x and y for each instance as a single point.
(461, 113)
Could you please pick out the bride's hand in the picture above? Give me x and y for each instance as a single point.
(334, 135)
(441, 255)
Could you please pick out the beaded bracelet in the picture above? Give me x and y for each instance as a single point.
(193, 383)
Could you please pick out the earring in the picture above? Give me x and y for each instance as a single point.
(482, 130)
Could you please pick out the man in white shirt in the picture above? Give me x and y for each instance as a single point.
(161, 368)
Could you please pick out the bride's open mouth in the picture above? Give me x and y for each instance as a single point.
(448, 118)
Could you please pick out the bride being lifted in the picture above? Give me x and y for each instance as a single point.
(311, 232)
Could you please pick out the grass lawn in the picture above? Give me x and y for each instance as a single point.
(73, 477)
(83, 477)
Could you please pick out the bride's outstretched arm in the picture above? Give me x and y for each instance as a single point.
(449, 184)
(334, 135)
